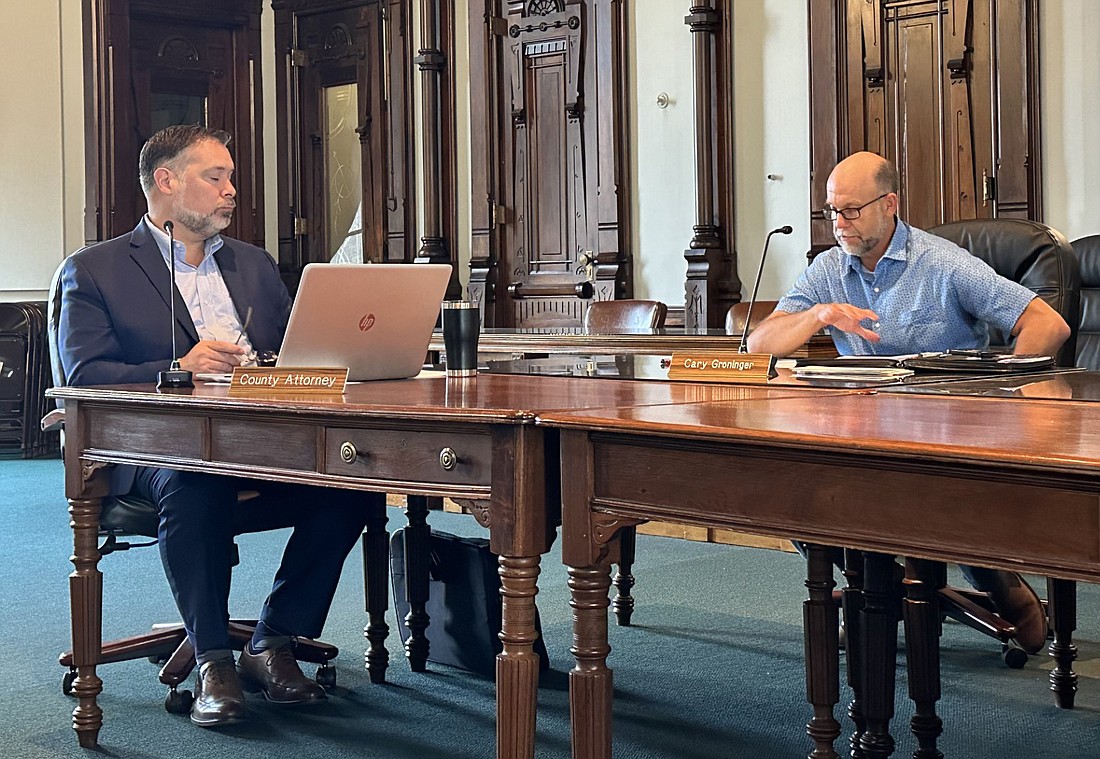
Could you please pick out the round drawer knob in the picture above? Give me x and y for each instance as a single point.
(448, 459)
(348, 454)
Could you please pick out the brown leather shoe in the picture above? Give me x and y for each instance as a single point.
(219, 699)
(276, 673)
(1014, 600)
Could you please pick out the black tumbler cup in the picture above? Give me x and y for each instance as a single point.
(461, 327)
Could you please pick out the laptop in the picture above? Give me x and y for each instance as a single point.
(375, 319)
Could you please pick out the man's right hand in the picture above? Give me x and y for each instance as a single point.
(213, 357)
(784, 332)
(847, 318)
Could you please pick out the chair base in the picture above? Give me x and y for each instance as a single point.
(169, 644)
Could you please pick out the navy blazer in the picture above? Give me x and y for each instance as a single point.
(113, 325)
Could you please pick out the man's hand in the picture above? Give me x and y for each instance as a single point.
(784, 332)
(213, 356)
(847, 318)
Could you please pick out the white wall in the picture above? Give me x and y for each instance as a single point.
(662, 154)
(42, 158)
(1070, 76)
(771, 136)
(41, 145)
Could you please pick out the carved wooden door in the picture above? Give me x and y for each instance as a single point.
(152, 64)
(550, 239)
(945, 88)
(337, 202)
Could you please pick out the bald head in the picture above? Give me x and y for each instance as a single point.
(864, 188)
(863, 171)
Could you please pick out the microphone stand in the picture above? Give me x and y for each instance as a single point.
(175, 377)
(785, 230)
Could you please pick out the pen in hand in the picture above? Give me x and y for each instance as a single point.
(244, 327)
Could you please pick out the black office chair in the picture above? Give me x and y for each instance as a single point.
(1088, 324)
(1041, 259)
(612, 317)
(124, 517)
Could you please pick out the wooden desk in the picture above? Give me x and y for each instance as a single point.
(506, 471)
(954, 479)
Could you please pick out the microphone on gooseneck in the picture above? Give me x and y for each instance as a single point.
(174, 377)
(784, 230)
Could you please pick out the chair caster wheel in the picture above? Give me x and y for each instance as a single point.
(1014, 658)
(178, 701)
(67, 682)
(326, 676)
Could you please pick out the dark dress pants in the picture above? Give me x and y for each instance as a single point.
(199, 517)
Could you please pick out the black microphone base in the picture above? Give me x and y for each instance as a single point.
(174, 379)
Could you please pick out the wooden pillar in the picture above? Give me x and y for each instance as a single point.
(712, 284)
(431, 61)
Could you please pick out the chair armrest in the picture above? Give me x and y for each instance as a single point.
(54, 420)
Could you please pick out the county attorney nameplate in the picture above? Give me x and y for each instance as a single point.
(271, 380)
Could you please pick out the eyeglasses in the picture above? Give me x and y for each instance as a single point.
(850, 214)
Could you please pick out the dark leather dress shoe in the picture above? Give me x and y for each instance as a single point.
(219, 699)
(276, 673)
(1014, 600)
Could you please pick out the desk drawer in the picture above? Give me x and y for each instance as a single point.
(411, 455)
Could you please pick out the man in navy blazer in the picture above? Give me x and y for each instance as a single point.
(230, 303)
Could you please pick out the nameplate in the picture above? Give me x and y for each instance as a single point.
(271, 380)
(722, 366)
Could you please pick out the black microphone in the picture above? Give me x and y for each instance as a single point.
(786, 230)
(175, 377)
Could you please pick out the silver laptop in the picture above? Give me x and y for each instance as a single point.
(375, 319)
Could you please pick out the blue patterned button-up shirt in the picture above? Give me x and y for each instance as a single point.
(929, 294)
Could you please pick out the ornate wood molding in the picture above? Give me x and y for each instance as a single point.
(604, 526)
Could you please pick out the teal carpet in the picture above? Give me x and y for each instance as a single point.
(713, 667)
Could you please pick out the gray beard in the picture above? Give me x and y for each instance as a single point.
(858, 250)
(205, 226)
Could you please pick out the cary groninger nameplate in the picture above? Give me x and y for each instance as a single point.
(272, 380)
(722, 366)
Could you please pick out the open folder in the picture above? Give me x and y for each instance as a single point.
(961, 361)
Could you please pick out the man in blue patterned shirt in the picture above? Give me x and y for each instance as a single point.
(890, 289)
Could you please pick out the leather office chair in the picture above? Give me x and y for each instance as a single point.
(1088, 325)
(1033, 254)
(615, 317)
(122, 517)
(610, 317)
(738, 312)
(1041, 259)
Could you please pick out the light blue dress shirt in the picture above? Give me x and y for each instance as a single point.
(929, 294)
(204, 291)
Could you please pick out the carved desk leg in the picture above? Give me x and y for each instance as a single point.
(822, 643)
(590, 681)
(1062, 603)
(377, 574)
(624, 580)
(417, 553)
(517, 664)
(880, 652)
(922, 654)
(852, 600)
(86, 599)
